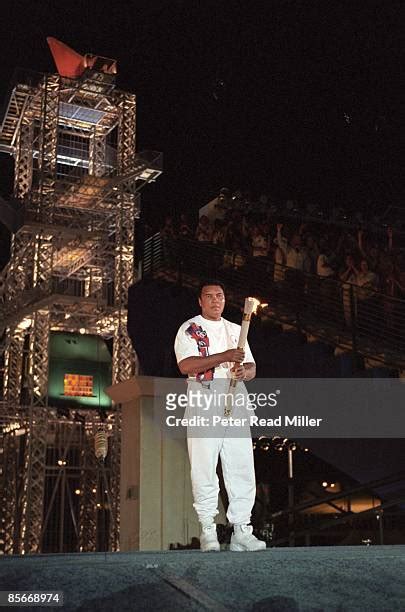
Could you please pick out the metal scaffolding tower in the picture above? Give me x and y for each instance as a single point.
(77, 183)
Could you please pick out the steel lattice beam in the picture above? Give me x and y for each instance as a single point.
(48, 147)
(88, 487)
(32, 502)
(115, 466)
(8, 493)
(97, 152)
(24, 159)
(13, 364)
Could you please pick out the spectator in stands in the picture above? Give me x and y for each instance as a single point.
(297, 263)
(259, 242)
(346, 244)
(324, 261)
(327, 277)
(312, 250)
(366, 281)
(259, 248)
(394, 289)
(185, 230)
(348, 276)
(235, 254)
(368, 306)
(239, 251)
(234, 233)
(279, 265)
(203, 232)
(168, 230)
(218, 234)
(370, 254)
(295, 254)
(386, 261)
(218, 240)
(399, 262)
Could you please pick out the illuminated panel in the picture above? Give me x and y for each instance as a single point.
(80, 113)
(78, 385)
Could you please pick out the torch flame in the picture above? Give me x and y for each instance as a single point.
(254, 304)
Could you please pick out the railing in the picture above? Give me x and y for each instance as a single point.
(354, 318)
(345, 218)
(31, 299)
(153, 256)
(74, 287)
(298, 530)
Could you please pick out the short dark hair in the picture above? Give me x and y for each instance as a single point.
(210, 281)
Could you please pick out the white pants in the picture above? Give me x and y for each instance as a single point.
(237, 467)
(238, 471)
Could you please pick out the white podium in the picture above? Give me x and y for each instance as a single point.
(156, 506)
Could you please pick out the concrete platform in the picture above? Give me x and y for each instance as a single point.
(278, 579)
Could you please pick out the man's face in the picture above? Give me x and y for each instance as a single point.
(212, 302)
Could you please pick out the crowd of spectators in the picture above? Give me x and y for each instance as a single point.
(294, 245)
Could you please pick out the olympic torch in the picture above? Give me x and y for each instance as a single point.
(251, 305)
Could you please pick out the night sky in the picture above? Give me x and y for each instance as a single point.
(294, 99)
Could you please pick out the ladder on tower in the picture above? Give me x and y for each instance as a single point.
(17, 103)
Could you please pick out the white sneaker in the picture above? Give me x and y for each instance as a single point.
(208, 539)
(243, 539)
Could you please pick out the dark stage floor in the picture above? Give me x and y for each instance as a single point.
(278, 579)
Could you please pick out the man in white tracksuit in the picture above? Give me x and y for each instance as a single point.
(206, 350)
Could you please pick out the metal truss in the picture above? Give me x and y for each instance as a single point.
(97, 152)
(13, 362)
(76, 481)
(32, 502)
(9, 491)
(47, 154)
(24, 159)
(88, 491)
(77, 179)
(115, 463)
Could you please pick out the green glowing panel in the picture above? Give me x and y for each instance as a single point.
(84, 356)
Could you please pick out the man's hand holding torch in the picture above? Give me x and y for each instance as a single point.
(237, 357)
(239, 371)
